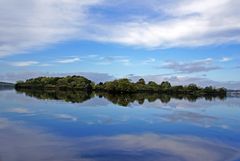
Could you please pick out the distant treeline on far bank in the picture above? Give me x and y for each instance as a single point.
(116, 86)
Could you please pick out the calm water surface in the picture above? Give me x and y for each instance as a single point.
(101, 129)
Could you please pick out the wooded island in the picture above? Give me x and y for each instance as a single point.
(116, 86)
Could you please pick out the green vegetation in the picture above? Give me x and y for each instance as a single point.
(57, 83)
(126, 86)
(120, 86)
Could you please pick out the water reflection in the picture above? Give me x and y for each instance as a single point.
(38, 129)
(140, 98)
(68, 96)
(31, 144)
(119, 99)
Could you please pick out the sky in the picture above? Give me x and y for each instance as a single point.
(184, 41)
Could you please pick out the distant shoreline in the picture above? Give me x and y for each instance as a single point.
(5, 85)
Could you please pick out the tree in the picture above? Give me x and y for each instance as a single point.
(208, 89)
(177, 89)
(140, 85)
(141, 82)
(192, 87)
(152, 86)
(165, 86)
(125, 85)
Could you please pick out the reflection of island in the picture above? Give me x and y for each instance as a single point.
(140, 98)
(115, 98)
(67, 96)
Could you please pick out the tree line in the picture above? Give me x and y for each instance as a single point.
(116, 86)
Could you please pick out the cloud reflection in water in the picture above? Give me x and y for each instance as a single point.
(32, 144)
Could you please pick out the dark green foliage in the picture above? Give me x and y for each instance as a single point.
(177, 89)
(192, 87)
(59, 83)
(152, 86)
(140, 85)
(141, 82)
(165, 86)
(118, 86)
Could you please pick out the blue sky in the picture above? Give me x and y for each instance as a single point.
(187, 41)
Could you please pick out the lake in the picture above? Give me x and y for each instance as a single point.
(76, 126)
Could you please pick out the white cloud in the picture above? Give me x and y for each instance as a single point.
(114, 59)
(124, 61)
(45, 65)
(187, 23)
(149, 61)
(24, 63)
(196, 66)
(33, 24)
(20, 110)
(225, 59)
(68, 60)
(66, 117)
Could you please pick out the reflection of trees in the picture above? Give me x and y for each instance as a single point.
(120, 99)
(68, 96)
(140, 98)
